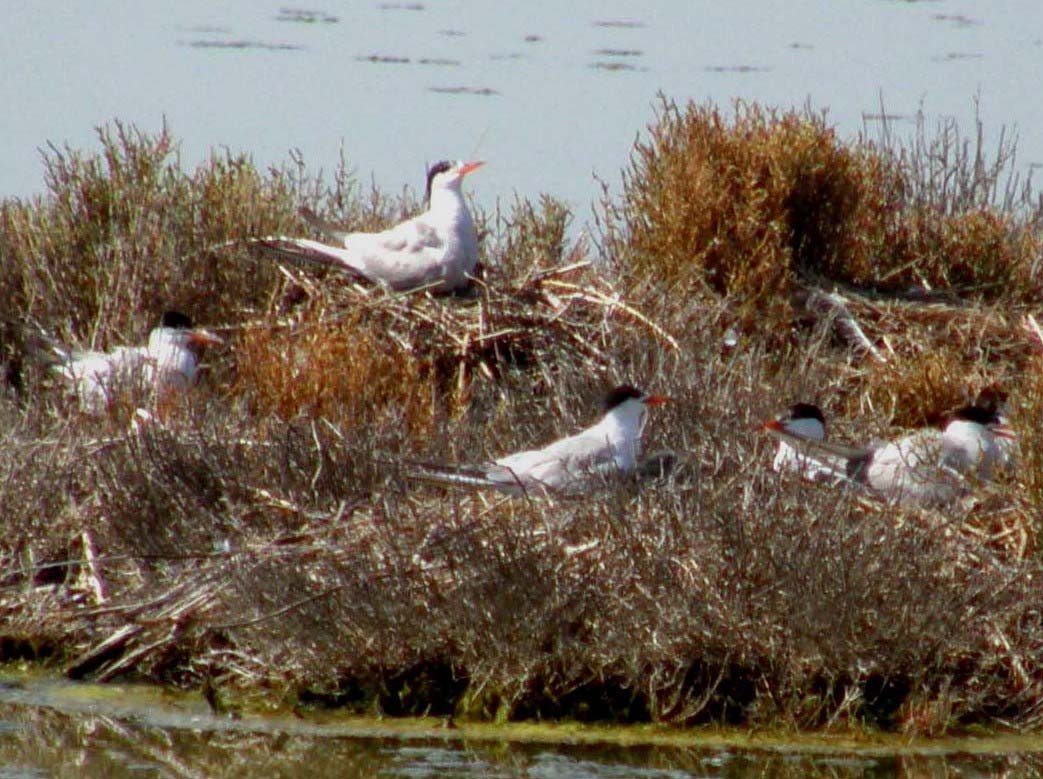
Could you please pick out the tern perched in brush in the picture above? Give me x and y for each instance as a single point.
(804, 421)
(609, 448)
(994, 401)
(437, 250)
(168, 363)
(927, 467)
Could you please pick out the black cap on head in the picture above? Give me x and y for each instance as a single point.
(806, 411)
(992, 397)
(622, 394)
(434, 170)
(979, 414)
(176, 320)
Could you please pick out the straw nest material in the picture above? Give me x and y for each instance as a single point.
(333, 348)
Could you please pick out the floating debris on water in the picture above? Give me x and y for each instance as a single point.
(384, 59)
(620, 52)
(484, 91)
(243, 44)
(401, 6)
(625, 23)
(615, 66)
(884, 117)
(800, 46)
(511, 55)
(533, 38)
(958, 20)
(452, 33)
(955, 56)
(737, 69)
(304, 16)
(206, 29)
(390, 59)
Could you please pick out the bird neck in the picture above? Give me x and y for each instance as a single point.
(967, 445)
(622, 426)
(167, 345)
(962, 433)
(159, 340)
(448, 200)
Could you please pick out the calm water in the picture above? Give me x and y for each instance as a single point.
(53, 729)
(549, 96)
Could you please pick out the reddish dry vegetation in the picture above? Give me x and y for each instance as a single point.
(263, 539)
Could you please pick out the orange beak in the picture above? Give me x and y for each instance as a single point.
(470, 167)
(1002, 431)
(656, 400)
(204, 338)
(773, 424)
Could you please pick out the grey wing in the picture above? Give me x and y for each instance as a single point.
(564, 461)
(585, 452)
(404, 257)
(414, 236)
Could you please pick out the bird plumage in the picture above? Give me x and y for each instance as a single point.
(168, 363)
(436, 250)
(805, 421)
(609, 448)
(926, 467)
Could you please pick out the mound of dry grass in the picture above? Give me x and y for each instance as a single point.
(922, 256)
(353, 354)
(927, 358)
(260, 539)
(731, 209)
(286, 558)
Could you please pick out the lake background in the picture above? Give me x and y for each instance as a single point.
(550, 97)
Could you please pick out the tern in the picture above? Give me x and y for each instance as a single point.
(167, 364)
(609, 448)
(994, 400)
(927, 467)
(806, 422)
(437, 250)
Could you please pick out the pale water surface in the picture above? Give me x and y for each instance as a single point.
(550, 93)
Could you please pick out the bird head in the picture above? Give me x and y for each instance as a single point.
(176, 329)
(449, 175)
(802, 420)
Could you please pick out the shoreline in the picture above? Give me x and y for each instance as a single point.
(153, 704)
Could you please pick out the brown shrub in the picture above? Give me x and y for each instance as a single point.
(979, 253)
(124, 234)
(743, 207)
(730, 209)
(344, 369)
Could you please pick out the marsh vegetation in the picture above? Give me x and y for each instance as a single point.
(261, 539)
